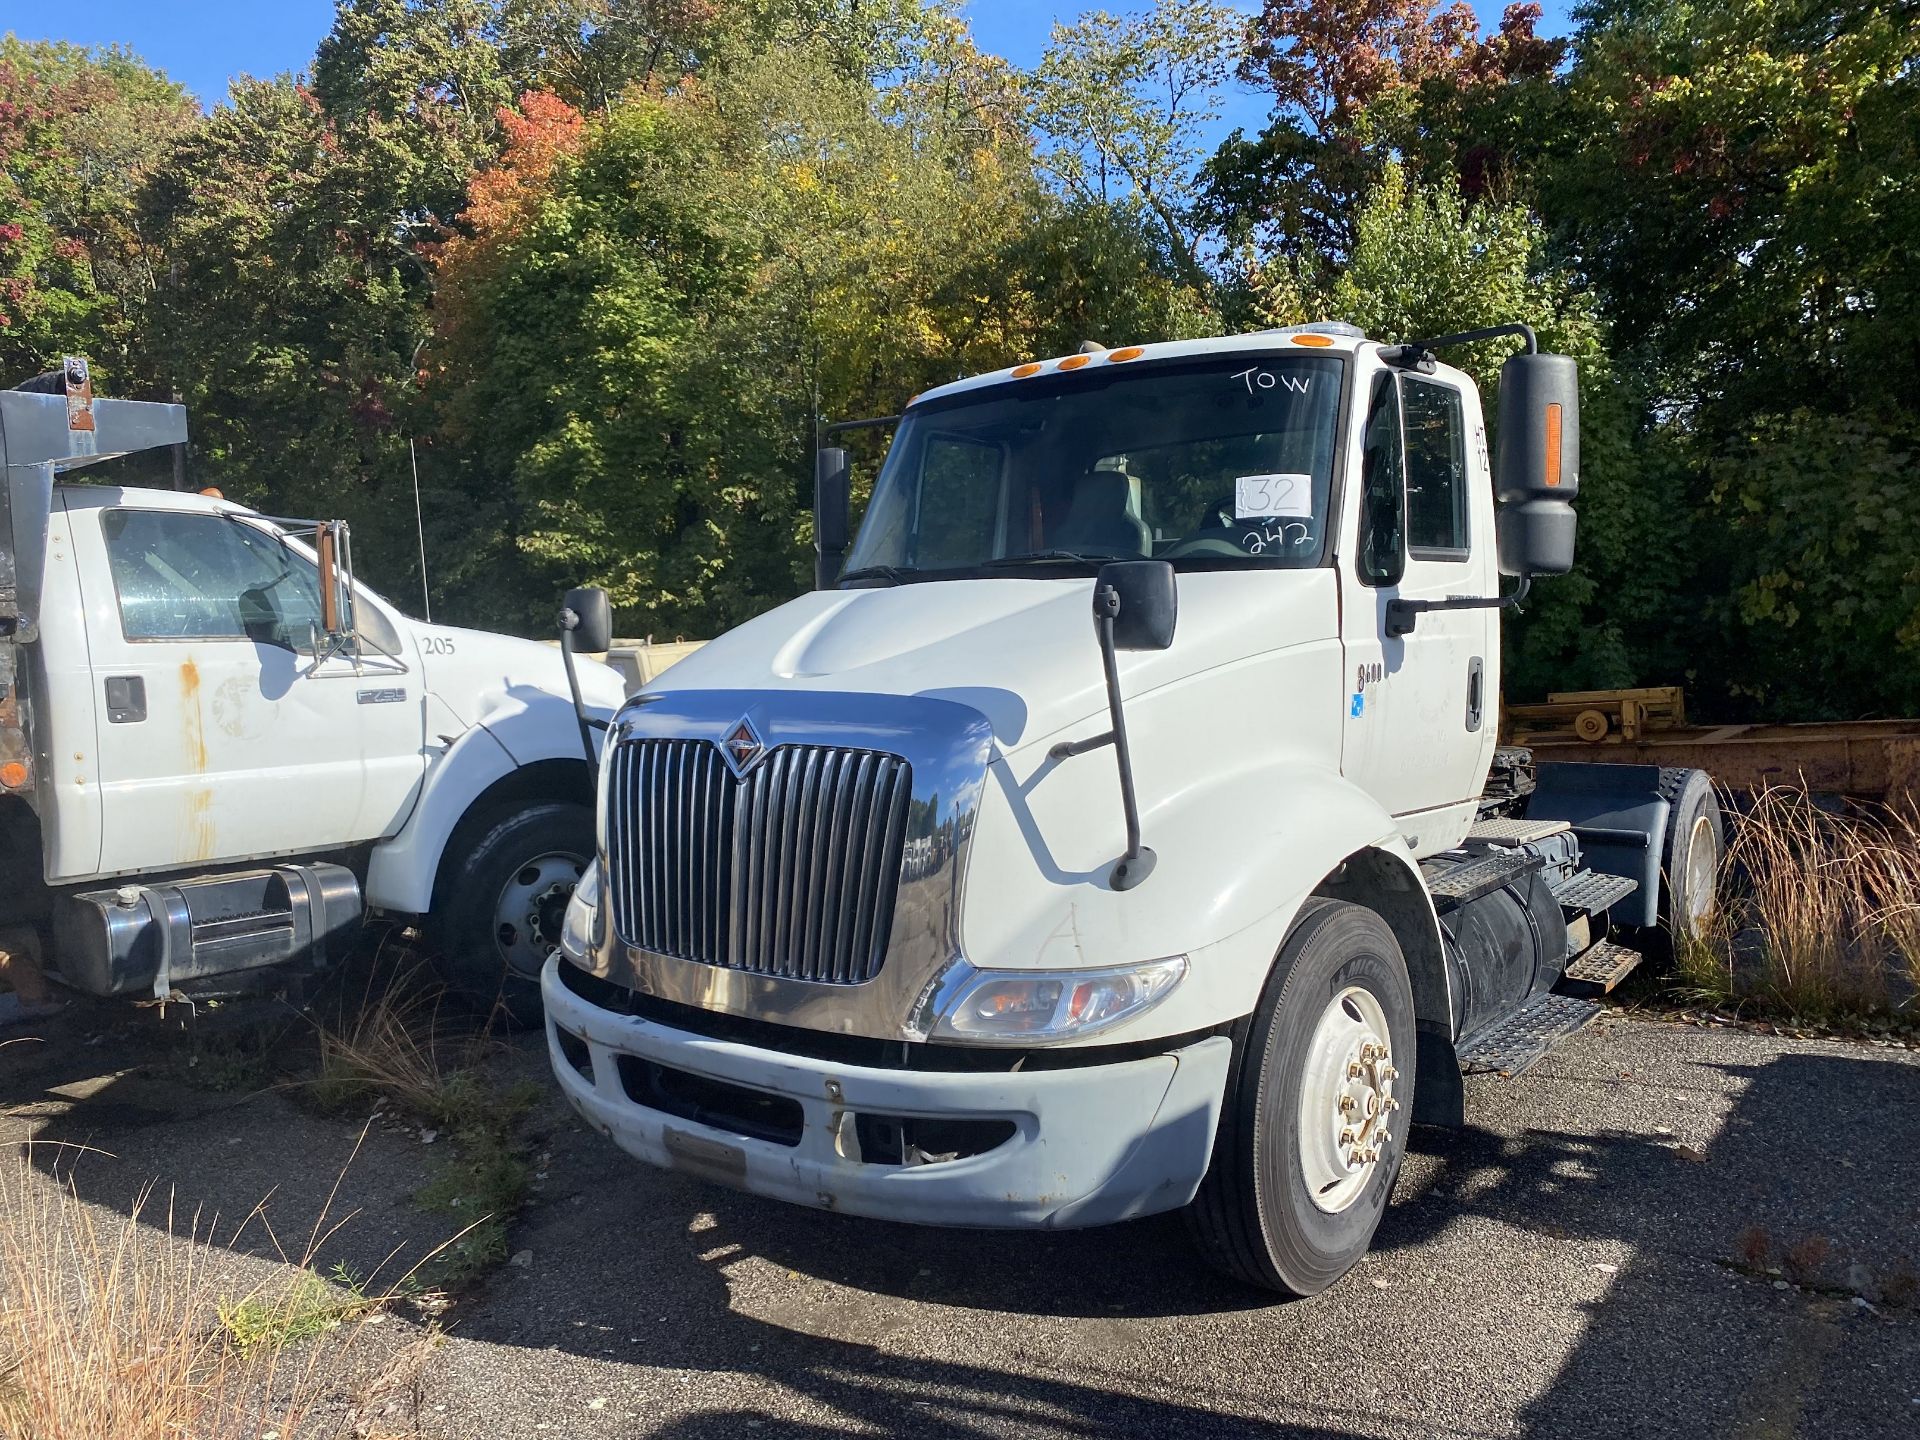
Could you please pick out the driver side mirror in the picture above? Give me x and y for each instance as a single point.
(831, 502)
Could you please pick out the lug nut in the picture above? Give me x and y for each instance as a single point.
(1346, 1137)
(1392, 1104)
(1356, 1158)
(1353, 1070)
(1386, 1138)
(1346, 1105)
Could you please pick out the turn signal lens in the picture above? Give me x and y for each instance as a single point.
(1317, 342)
(1005, 1007)
(1553, 446)
(1130, 352)
(577, 929)
(1021, 372)
(1074, 362)
(13, 774)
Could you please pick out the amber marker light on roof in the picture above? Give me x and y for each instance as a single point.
(1130, 352)
(1318, 342)
(1021, 372)
(1074, 362)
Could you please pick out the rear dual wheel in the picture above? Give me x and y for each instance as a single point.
(1318, 1101)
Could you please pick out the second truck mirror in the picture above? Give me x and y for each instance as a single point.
(592, 630)
(830, 506)
(1537, 469)
(1148, 603)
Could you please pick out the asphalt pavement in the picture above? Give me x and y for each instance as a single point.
(1595, 1254)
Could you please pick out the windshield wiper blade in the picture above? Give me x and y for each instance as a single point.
(892, 574)
(1047, 557)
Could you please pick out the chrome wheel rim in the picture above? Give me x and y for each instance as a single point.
(1346, 1099)
(531, 908)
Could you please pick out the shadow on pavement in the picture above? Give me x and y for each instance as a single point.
(639, 1268)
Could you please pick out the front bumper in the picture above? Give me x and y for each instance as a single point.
(1089, 1145)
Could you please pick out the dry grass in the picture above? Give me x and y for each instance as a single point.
(395, 1048)
(1820, 918)
(111, 1328)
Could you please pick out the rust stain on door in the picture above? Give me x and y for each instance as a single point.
(192, 723)
(199, 835)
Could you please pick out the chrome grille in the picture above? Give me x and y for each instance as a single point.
(791, 871)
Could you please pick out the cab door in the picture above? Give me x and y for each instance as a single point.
(222, 733)
(1421, 707)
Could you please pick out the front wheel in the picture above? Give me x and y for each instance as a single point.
(503, 901)
(1318, 1101)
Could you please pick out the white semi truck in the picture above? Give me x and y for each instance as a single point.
(219, 752)
(920, 897)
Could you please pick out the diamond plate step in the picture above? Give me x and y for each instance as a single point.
(1514, 832)
(1512, 1046)
(1602, 967)
(1457, 884)
(1593, 892)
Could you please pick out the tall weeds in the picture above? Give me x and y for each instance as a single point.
(110, 1330)
(1820, 913)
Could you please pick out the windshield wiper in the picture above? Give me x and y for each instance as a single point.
(1047, 557)
(892, 574)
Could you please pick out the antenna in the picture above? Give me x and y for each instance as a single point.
(420, 528)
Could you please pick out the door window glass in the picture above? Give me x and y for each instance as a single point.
(184, 576)
(1436, 467)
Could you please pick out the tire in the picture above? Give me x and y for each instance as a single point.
(1691, 853)
(501, 900)
(1258, 1217)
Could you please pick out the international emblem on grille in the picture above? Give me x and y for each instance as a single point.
(743, 746)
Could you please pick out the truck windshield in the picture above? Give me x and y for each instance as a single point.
(1222, 462)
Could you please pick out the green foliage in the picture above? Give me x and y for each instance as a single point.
(80, 131)
(1123, 102)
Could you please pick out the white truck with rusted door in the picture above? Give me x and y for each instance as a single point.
(219, 752)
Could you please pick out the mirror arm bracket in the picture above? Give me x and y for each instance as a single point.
(1402, 614)
(1138, 862)
(569, 622)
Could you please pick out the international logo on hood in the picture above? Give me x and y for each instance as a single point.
(742, 747)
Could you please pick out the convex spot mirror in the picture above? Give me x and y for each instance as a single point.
(1537, 465)
(1141, 597)
(593, 615)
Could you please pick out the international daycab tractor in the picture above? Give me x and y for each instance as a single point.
(921, 897)
(219, 751)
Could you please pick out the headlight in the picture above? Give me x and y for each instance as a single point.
(1038, 1007)
(578, 930)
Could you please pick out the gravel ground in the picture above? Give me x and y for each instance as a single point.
(1585, 1258)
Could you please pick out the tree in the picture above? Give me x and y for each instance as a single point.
(1356, 84)
(1124, 103)
(80, 131)
(1427, 261)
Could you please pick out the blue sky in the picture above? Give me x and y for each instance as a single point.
(201, 43)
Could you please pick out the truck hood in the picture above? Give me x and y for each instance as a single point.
(1021, 651)
(475, 673)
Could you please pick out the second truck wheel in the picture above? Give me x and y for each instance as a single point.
(504, 899)
(1317, 1107)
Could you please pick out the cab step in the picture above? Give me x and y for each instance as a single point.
(1455, 885)
(1504, 831)
(1593, 892)
(1599, 969)
(1513, 1045)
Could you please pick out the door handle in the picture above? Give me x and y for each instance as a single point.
(126, 699)
(1476, 681)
